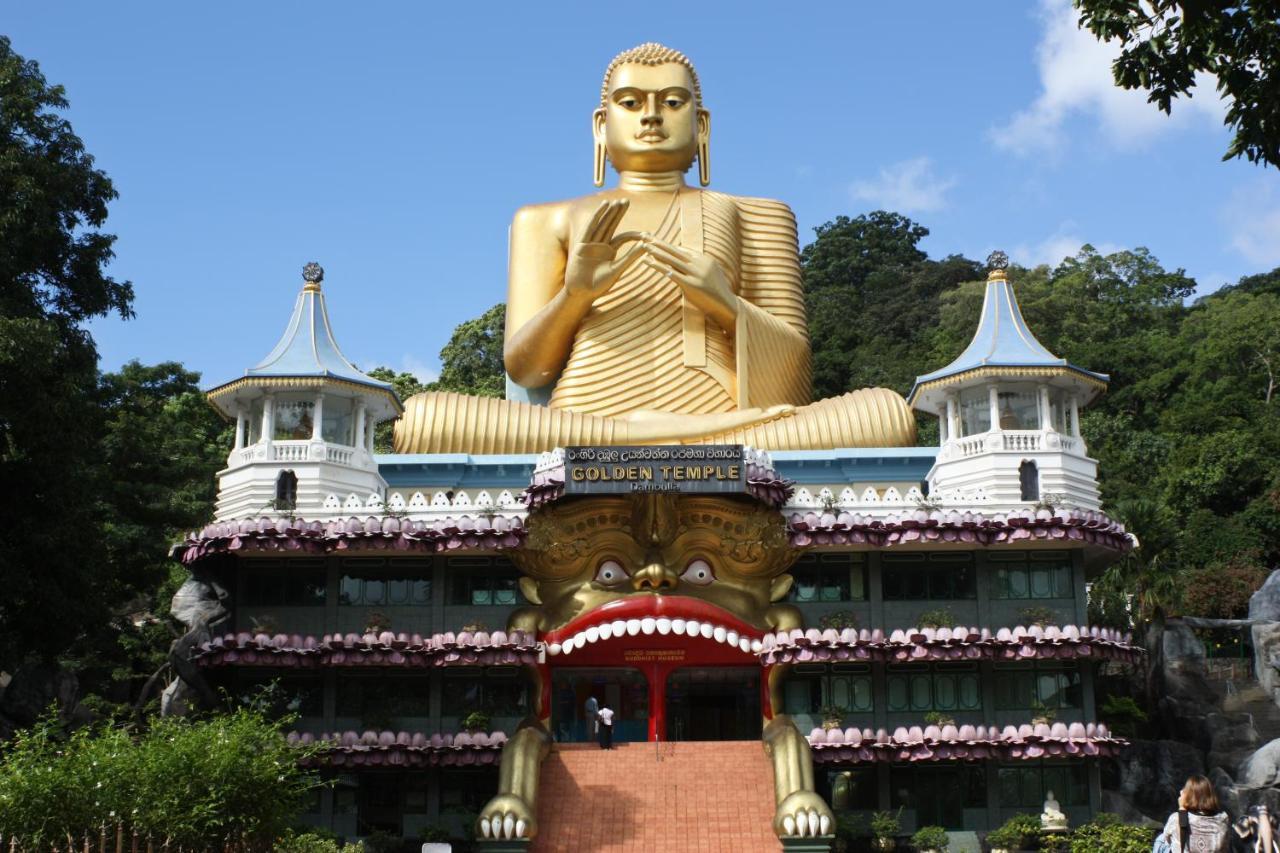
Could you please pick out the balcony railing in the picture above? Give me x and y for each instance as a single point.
(293, 451)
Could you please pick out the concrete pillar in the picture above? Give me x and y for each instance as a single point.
(1075, 416)
(268, 421)
(944, 423)
(370, 429)
(240, 416)
(1046, 417)
(954, 427)
(993, 400)
(317, 419)
(357, 437)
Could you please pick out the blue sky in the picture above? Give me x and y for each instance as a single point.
(393, 141)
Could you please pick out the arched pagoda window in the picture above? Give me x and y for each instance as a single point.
(1029, 479)
(286, 490)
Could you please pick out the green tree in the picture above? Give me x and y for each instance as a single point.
(52, 279)
(1166, 43)
(471, 362)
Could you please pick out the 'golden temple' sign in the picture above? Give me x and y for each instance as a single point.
(705, 468)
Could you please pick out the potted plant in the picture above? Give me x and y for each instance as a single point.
(939, 719)
(838, 619)
(930, 839)
(1041, 616)
(832, 717)
(1042, 714)
(476, 721)
(885, 826)
(938, 618)
(1018, 832)
(376, 622)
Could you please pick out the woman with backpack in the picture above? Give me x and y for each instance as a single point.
(1199, 825)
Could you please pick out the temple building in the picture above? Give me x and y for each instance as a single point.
(941, 662)
(793, 614)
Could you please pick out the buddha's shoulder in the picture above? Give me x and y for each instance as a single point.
(764, 207)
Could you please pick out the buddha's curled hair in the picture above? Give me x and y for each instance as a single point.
(651, 53)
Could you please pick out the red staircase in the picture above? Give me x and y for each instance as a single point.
(645, 798)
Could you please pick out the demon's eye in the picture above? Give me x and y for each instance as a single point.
(699, 572)
(611, 573)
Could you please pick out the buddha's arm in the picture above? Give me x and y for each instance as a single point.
(542, 318)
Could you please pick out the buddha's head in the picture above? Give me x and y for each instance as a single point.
(720, 561)
(650, 117)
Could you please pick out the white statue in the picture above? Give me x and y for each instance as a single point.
(1052, 820)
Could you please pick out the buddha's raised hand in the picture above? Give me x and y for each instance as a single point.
(699, 276)
(594, 263)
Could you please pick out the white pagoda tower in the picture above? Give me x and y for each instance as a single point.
(1009, 414)
(305, 419)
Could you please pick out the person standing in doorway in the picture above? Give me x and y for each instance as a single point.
(605, 715)
(590, 711)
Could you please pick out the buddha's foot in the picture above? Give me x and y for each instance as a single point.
(652, 427)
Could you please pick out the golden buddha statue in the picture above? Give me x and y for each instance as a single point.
(654, 312)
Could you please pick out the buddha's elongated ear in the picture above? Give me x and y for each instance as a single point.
(704, 147)
(597, 130)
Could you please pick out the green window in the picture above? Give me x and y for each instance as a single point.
(812, 687)
(383, 703)
(933, 687)
(829, 577)
(499, 692)
(938, 795)
(1025, 785)
(1045, 574)
(923, 577)
(483, 581)
(375, 582)
(1026, 686)
(282, 583)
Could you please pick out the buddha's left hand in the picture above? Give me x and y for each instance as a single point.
(699, 276)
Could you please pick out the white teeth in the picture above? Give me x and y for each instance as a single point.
(633, 627)
(521, 826)
(509, 825)
(707, 630)
(756, 646)
(692, 627)
(677, 626)
(731, 638)
(813, 822)
(745, 645)
(719, 633)
(580, 640)
(484, 827)
(619, 627)
(606, 630)
(789, 825)
(664, 626)
(647, 625)
(824, 825)
(593, 634)
(554, 649)
(569, 644)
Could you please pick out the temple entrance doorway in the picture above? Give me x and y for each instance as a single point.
(624, 690)
(713, 703)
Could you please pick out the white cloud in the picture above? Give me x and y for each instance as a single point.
(906, 187)
(1063, 243)
(1075, 79)
(1252, 216)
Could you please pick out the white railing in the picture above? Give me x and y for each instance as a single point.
(1021, 440)
(340, 455)
(245, 454)
(290, 451)
(972, 446)
(1070, 444)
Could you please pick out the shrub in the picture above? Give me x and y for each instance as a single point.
(1041, 616)
(1105, 834)
(838, 619)
(312, 842)
(1123, 715)
(476, 721)
(940, 617)
(231, 777)
(930, 838)
(939, 719)
(886, 824)
(1018, 832)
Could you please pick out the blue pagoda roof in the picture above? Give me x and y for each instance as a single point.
(307, 349)
(1003, 340)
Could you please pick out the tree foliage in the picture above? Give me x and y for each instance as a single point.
(1166, 43)
(189, 784)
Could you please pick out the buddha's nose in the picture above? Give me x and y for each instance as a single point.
(654, 577)
(651, 114)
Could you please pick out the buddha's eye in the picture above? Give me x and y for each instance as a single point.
(674, 102)
(629, 103)
(611, 573)
(699, 573)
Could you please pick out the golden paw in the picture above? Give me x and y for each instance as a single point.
(803, 814)
(506, 816)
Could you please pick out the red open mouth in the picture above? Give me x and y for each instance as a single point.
(674, 616)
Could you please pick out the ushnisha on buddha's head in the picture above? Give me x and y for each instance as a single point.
(650, 117)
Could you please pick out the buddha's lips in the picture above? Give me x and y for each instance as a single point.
(662, 615)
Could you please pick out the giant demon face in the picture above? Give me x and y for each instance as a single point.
(716, 561)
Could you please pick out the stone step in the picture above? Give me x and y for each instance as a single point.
(702, 796)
